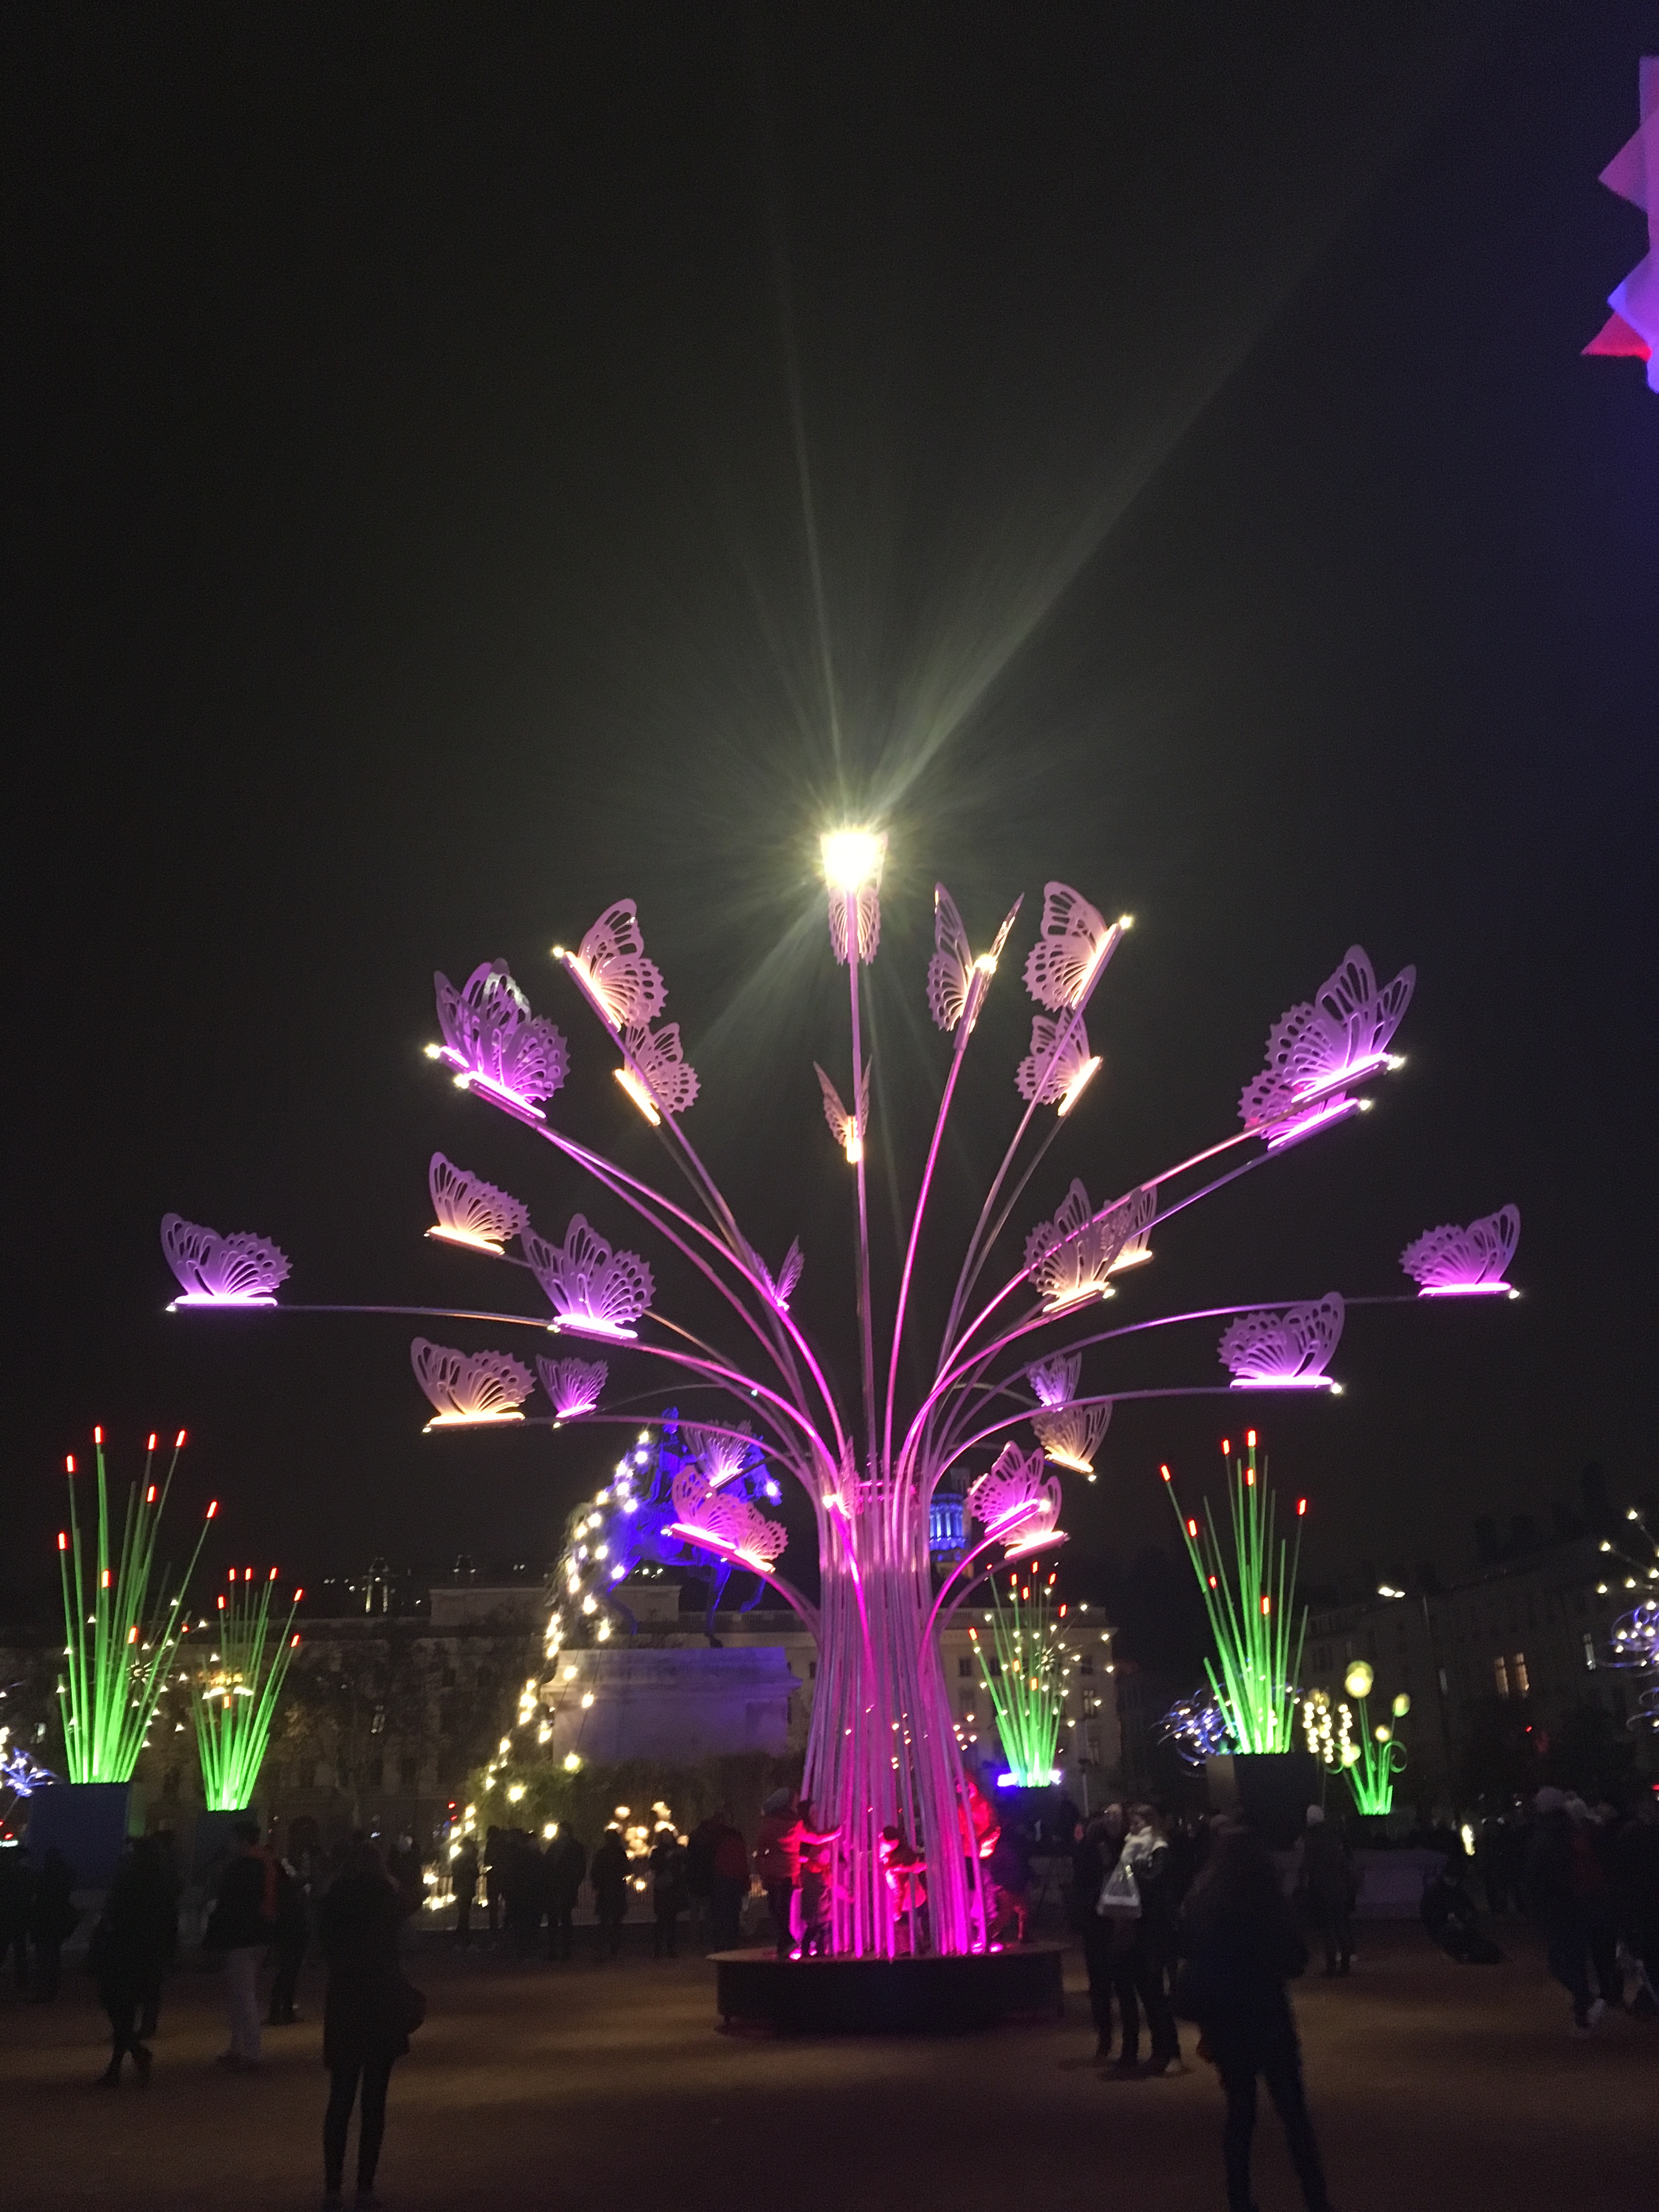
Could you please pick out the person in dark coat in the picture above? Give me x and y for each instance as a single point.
(1448, 1912)
(1327, 1881)
(166, 1852)
(1553, 1899)
(288, 1942)
(16, 1904)
(130, 1947)
(464, 1880)
(668, 1890)
(52, 1920)
(241, 1926)
(730, 1863)
(608, 1878)
(366, 2014)
(1091, 1861)
(563, 1864)
(700, 1874)
(1138, 1968)
(1241, 1944)
(522, 1889)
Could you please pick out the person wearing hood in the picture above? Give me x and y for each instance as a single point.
(369, 2013)
(130, 1948)
(1555, 1898)
(1326, 1878)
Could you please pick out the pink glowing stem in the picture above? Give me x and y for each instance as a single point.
(866, 1331)
(915, 1233)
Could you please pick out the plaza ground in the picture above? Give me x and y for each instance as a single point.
(1432, 2085)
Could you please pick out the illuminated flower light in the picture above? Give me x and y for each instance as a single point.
(726, 1524)
(1341, 1037)
(243, 1270)
(574, 1385)
(1632, 329)
(848, 1133)
(1013, 1500)
(470, 1211)
(593, 1291)
(609, 967)
(1286, 1351)
(660, 1077)
(1058, 1077)
(1074, 942)
(495, 1044)
(469, 1389)
(853, 862)
(1451, 1263)
(956, 982)
(235, 1698)
(1069, 1257)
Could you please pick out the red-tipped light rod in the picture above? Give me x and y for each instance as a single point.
(179, 1441)
(1301, 1508)
(98, 1436)
(1164, 1472)
(1249, 1439)
(1227, 1446)
(63, 1540)
(150, 1445)
(213, 1508)
(150, 1495)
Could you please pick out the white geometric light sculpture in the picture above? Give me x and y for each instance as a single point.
(243, 1270)
(1451, 1263)
(1284, 1351)
(469, 1389)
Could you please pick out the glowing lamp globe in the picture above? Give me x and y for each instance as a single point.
(851, 857)
(1382, 1732)
(1358, 1679)
(1402, 1705)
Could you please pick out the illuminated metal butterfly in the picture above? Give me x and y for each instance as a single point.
(665, 1078)
(956, 982)
(1075, 940)
(846, 1132)
(1052, 1077)
(611, 968)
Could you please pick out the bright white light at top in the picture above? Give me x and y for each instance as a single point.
(851, 857)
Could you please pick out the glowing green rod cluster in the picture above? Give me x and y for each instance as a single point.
(235, 1697)
(116, 1657)
(1027, 1683)
(1251, 1605)
(1378, 1755)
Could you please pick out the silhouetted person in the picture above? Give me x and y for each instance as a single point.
(16, 1905)
(1327, 1883)
(777, 1862)
(608, 1878)
(1447, 1913)
(367, 2014)
(1242, 1944)
(522, 1890)
(1009, 1869)
(1554, 1898)
(1092, 1860)
(52, 1920)
(699, 1873)
(464, 1880)
(130, 1948)
(667, 1892)
(492, 1873)
(241, 1926)
(1138, 1967)
(731, 1883)
(288, 1942)
(563, 1864)
(167, 1861)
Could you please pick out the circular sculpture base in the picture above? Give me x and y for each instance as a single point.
(888, 1996)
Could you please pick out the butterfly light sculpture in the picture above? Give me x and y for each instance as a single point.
(495, 1044)
(1341, 1037)
(1286, 1350)
(927, 1405)
(593, 1290)
(1632, 329)
(1451, 1263)
(470, 1211)
(243, 1270)
(573, 1386)
(469, 1389)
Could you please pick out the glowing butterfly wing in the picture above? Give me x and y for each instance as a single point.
(1075, 937)
(951, 969)
(1045, 1075)
(658, 1055)
(789, 1274)
(628, 988)
(840, 1121)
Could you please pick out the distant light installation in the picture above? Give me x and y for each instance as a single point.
(1026, 1673)
(925, 1420)
(118, 1646)
(1372, 1758)
(1250, 1599)
(235, 1688)
(1451, 1263)
(1632, 329)
(1197, 1729)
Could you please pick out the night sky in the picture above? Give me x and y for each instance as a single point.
(466, 466)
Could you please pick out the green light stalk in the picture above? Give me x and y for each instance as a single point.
(1250, 1601)
(116, 1653)
(234, 1699)
(1028, 1686)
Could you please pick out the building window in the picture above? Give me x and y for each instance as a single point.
(1518, 1668)
(965, 1668)
(377, 1722)
(408, 1771)
(1085, 1665)
(307, 1774)
(811, 1670)
(1500, 1675)
(1590, 1651)
(374, 1769)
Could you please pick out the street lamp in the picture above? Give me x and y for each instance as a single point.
(1388, 1590)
